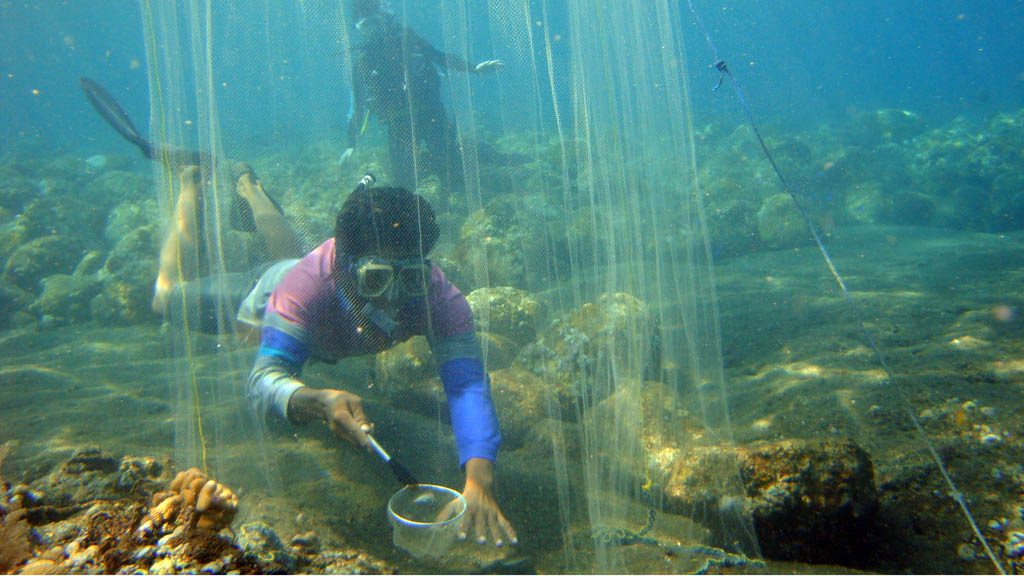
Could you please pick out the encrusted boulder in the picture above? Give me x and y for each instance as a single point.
(810, 501)
(16, 191)
(128, 216)
(731, 212)
(507, 311)
(91, 473)
(615, 336)
(66, 298)
(506, 240)
(498, 352)
(403, 372)
(14, 303)
(866, 202)
(779, 224)
(259, 540)
(127, 279)
(42, 257)
(110, 187)
(522, 400)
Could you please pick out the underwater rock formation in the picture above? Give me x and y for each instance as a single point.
(884, 167)
(523, 400)
(127, 278)
(66, 298)
(616, 329)
(16, 191)
(972, 172)
(88, 516)
(401, 371)
(811, 501)
(499, 352)
(505, 318)
(89, 473)
(14, 303)
(193, 500)
(502, 242)
(35, 260)
(15, 546)
(128, 216)
(51, 212)
(506, 311)
(779, 224)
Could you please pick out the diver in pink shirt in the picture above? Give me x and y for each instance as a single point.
(366, 289)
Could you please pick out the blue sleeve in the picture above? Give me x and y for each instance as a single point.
(474, 420)
(274, 376)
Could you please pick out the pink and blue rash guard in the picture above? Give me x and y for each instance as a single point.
(307, 316)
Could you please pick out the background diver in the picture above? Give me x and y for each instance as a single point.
(395, 78)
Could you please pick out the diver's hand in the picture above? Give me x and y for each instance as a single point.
(488, 65)
(483, 517)
(343, 412)
(345, 155)
(345, 417)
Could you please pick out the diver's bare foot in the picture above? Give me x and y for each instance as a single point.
(161, 293)
(246, 182)
(249, 187)
(251, 190)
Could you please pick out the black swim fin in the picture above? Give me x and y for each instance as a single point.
(112, 112)
(101, 100)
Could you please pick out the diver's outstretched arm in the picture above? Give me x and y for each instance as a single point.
(449, 61)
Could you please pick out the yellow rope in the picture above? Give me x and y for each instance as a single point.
(366, 122)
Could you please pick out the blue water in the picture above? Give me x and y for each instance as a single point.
(800, 62)
(45, 47)
(803, 60)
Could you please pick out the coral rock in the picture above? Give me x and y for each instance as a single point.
(193, 497)
(810, 501)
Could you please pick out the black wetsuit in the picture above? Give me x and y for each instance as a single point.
(396, 78)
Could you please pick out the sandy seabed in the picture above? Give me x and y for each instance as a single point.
(945, 308)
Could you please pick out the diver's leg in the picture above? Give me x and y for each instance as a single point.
(271, 224)
(402, 153)
(441, 154)
(177, 256)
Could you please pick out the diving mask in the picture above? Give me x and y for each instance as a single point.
(377, 277)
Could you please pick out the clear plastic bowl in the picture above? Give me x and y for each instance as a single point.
(425, 519)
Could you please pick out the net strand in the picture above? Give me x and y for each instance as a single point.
(152, 49)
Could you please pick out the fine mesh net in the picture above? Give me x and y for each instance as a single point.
(566, 192)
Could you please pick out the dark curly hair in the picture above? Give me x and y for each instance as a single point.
(385, 219)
